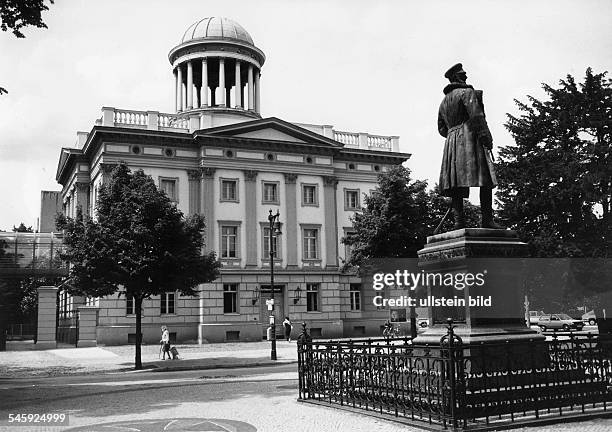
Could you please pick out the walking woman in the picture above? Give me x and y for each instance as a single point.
(165, 341)
(288, 327)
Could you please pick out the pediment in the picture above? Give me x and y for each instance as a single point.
(271, 129)
(269, 134)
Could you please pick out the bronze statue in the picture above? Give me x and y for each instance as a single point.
(467, 159)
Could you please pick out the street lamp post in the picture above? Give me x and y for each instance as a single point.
(274, 230)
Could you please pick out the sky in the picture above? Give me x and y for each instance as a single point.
(361, 66)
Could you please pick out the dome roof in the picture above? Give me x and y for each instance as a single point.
(217, 28)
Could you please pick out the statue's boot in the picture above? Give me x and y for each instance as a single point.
(486, 209)
(457, 206)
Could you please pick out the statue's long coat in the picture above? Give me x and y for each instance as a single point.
(465, 162)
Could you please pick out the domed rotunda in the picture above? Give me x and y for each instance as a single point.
(217, 70)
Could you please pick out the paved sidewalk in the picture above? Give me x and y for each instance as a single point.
(21, 360)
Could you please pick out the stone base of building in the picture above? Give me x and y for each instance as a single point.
(45, 345)
(87, 343)
(151, 334)
(229, 332)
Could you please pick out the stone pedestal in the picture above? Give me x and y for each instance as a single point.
(88, 322)
(493, 259)
(47, 313)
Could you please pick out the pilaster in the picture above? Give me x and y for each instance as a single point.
(291, 218)
(194, 191)
(331, 220)
(207, 203)
(250, 180)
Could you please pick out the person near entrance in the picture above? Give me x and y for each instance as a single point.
(288, 326)
(467, 158)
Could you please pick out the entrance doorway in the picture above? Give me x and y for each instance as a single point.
(279, 309)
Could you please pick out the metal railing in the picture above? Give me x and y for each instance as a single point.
(459, 385)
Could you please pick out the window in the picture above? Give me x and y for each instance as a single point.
(351, 199)
(229, 237)
(169, 187)
(266, 244)
(311, 243)
(229, 190)
(92, 301)
(312, 297)
(355, 294)
(270, 193)
(310, 195)
(167, 303)
(130, 306)
(230, 298)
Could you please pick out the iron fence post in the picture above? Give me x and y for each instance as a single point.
(304, 346)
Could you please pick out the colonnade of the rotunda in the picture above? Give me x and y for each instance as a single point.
(217, 82)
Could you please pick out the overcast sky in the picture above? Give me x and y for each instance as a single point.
(369, 66)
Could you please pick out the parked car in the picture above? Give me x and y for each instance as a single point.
(534, 316)
(590, 318)
(559, 322)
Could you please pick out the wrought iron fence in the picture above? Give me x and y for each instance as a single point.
(457, 385)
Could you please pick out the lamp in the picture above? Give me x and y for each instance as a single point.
(297, 295)
(254, 299)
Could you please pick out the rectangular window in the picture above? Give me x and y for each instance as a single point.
(266, 244)
(270, 193)
(355, 294)
(312, 297)
(168, 186)
(351, 199)
(229, 190)
(130, 306)
(309, 195)
(229, 235)
(167, 303)
(311, 243)
(230, 298)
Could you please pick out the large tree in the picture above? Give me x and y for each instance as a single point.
(140, 245)
(556, 190)
(397, 218)
(556, 181)
(17, 14)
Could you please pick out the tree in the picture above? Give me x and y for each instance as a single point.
(22, 228)
(17, 14)
(397, 218)
(556, 181)
(141, 245)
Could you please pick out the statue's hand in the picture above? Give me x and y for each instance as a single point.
(486, 140)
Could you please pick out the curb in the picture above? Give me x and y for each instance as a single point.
(220, 366)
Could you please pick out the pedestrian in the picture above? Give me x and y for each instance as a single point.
(288, 327)
(165, 342)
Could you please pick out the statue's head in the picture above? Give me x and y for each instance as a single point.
(456, 74)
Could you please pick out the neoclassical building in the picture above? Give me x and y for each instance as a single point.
(216, 155)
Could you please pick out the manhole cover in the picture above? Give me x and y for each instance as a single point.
(159, 425)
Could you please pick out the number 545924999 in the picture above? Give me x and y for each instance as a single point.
(45, 418)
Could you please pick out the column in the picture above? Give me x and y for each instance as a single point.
(222, 82)
(175, 91)
(207, 203)
(88, 322)
(250, 184)
(204, 92)
(257, 100)
(238, 86)
(291, 218)
(189, 85)
(179, 88)
(47, 310)
(82, 197)
(331, 220)
(194, 191)
(250, 87)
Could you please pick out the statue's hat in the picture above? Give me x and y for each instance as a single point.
(453, 70)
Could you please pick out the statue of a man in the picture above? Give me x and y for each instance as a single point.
(466, 161)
